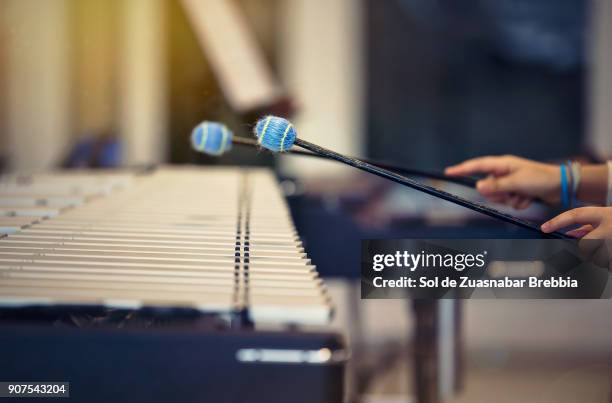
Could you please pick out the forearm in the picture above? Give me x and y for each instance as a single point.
(593, 186)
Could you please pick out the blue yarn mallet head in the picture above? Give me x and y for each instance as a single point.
(211, 138)
(274, 133)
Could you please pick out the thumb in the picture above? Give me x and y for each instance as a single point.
(497, 185)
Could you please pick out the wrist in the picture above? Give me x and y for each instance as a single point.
(554, 184)
(593, 184)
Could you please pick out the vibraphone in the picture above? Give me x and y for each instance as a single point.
(182, 284)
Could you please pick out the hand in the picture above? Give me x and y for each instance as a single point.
(595, 231)
(512, 180)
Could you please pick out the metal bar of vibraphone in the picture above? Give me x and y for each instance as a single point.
(153, 254)
(110, 247)
(153, 245)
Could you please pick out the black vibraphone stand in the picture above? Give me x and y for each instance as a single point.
(438, 349)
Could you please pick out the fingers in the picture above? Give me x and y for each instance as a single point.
(580, 232)
(591, 243)
(598, 233)
(489, 165)
(522, 202)
(500, 190)
(515, 201)
(583, 215)
(498, 185)
(594, 249)
(498, 198)
(492, 185)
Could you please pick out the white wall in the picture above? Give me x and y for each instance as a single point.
(321, 65)
(600, 82)
(49, 94)
(37, 82)
(143, 120)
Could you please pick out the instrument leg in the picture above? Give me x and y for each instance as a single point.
(426, 368)
(438, 349)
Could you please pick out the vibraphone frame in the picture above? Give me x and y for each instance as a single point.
(85, 297)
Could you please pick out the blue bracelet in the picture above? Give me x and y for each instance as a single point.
(564, 192)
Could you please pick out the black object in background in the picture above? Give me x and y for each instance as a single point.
(168, 364)
(451, 80)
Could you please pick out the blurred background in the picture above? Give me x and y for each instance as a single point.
(121, 83)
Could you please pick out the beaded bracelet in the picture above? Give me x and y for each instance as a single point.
(575, 173)
(564, 187)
